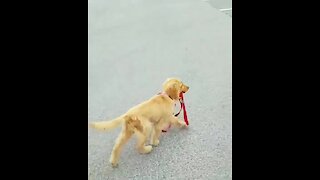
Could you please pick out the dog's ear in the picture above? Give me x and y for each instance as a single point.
(172, 90)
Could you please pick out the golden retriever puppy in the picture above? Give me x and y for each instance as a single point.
(147, 118)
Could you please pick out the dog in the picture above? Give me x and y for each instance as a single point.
(145, 119)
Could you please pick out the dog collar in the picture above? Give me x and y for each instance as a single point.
(164, 94)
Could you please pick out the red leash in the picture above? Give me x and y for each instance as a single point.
(184, 110)
(182, 106)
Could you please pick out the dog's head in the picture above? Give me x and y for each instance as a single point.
(173, 87)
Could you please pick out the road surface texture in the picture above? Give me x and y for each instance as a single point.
(134, 45)
(224, 6)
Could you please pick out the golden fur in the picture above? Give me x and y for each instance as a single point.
(147, 118)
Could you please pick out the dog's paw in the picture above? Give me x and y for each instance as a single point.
(113, 162)
(156, 142)
(183, 125)
(146, 149)
(114, 165)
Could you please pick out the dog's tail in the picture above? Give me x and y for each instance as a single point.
(107, 125)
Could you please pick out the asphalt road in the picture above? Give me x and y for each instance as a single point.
(133, 47)
(224, 5)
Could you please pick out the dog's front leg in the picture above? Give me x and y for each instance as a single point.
(177, 123)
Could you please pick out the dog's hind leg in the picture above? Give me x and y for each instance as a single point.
(123, 138)
(142, 140)
(155, 135)
(142, 148)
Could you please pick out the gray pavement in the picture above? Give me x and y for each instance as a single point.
(224, 6)
(133, 47)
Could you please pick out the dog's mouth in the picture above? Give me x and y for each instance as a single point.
(184, 89)
(182, 92)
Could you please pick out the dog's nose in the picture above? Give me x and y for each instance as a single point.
(187, 88)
